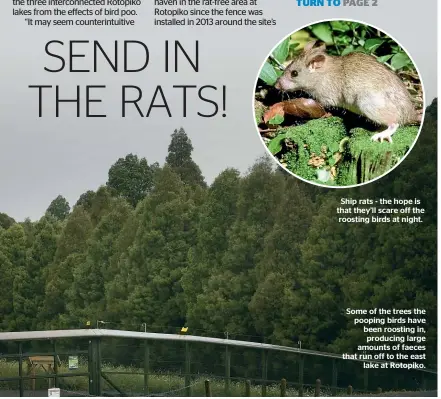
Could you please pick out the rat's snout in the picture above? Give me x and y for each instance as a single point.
(283, 83)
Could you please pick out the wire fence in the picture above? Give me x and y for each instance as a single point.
(140, 367)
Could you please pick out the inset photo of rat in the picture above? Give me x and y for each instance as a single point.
(339, 103)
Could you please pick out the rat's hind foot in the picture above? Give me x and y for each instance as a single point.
(327, 115)
(386, 135)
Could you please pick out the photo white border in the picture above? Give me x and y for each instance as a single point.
(438, 184)
(391, 169)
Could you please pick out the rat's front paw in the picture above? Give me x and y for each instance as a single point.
(386, 135)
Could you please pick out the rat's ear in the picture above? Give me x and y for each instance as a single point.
(309, 46)
(316, 62)
(322, 47)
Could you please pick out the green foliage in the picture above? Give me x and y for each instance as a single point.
(362, 159)
(269, 74)
(86, 199)
(6, 221)
(40, 256)
(323, 31)
(12, 262)
(366, 160)
(277, 120)
(179, 158)
(71, 247)
(320, 138)
(157, 257)
(223, 303)
(259, 255)
(341, 38)
(86, 295)
(59, 208)
(215, 217)
(6, 304)
(271, 70)
(344, 37)
(281, 51)
(131, 178)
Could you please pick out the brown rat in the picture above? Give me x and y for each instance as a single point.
(356, 82)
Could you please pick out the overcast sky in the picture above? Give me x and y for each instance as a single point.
(41, 158)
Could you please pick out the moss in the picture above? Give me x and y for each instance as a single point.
(352, 157)
(365, 159)
(319, 138)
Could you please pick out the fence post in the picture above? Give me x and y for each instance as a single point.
(227, 370)
(94, 365)
(207, 388)
(98, 365)
(264, 371)
(334, 377)
(90, 369)
(349, 390)
(301, 359)
(283, 388)
(317, 387)
(146, 366)
(56, 382)
(424, 381)
(247, 388)
(20, 368)
(366, 380)
(187, 369)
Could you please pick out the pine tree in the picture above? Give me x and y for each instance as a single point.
(180, 160)
(215, 218)
(86, 296)
(158, 257)
(279, 266)
(12, 262)
(70, 252)
(223, 304)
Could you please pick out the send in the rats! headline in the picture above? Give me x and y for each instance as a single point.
(73, 57)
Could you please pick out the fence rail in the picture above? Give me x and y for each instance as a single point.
(57, 334)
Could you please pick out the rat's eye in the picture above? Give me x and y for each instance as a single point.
(294, 74)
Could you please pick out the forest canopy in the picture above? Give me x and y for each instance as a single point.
(258, 255)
